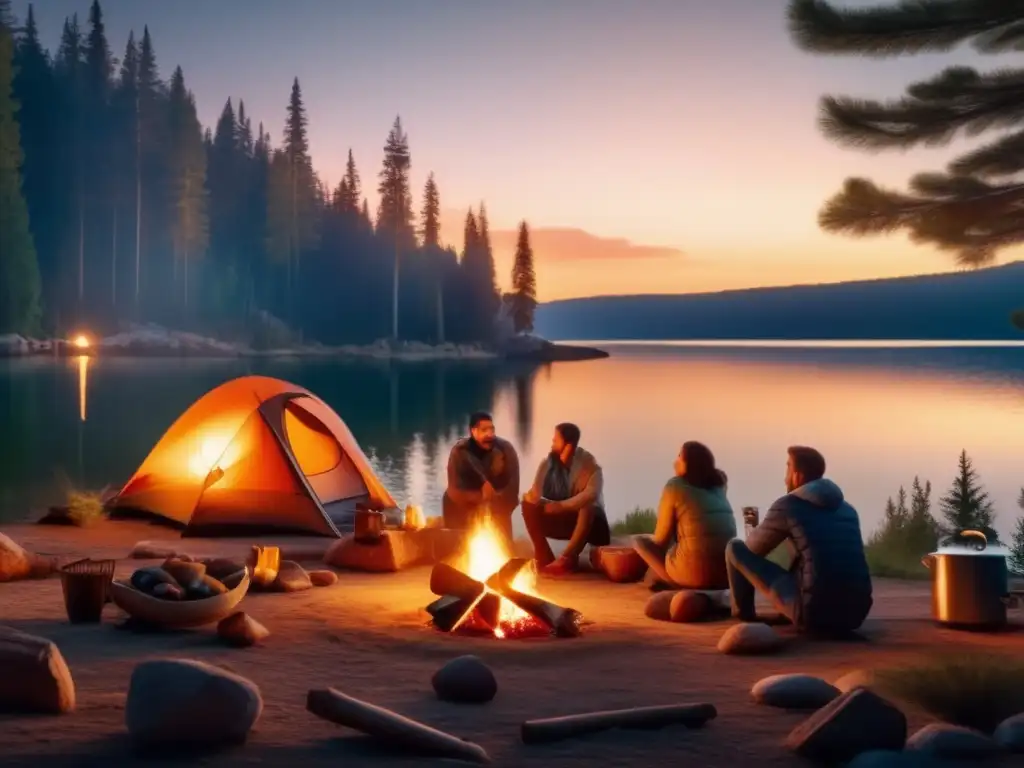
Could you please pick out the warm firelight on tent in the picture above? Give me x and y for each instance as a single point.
(210, 449)
(486, 554)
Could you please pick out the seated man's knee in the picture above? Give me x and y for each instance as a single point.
(736, 548)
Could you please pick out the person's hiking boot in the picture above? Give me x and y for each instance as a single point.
(563, 566)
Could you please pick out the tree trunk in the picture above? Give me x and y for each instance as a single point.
(394, 294)
(113, 260)
(440, 312)
(138, 198)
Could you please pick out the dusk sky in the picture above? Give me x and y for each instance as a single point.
(653, 146)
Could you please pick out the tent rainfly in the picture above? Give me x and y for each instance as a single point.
(255, 455)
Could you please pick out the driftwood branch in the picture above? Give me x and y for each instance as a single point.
(647, 718)
(390, 727)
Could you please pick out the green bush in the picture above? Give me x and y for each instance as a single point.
(640, 520)
(977, 693)
(906, 535)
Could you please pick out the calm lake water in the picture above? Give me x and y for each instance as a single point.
(880, 414)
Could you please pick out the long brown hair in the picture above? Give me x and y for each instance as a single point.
(701, 471)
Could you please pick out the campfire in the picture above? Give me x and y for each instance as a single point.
(494, 593)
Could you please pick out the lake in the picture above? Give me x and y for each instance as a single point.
(881, 414)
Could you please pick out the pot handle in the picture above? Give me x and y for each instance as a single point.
(977, 535)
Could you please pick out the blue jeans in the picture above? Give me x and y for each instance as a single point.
(749, 574)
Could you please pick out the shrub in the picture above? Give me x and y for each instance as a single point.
(979, 692)
(85, 507)
(906, 535)
(640, 520)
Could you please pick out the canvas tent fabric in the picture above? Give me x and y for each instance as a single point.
(255, 454)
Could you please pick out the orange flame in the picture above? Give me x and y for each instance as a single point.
(487, 553)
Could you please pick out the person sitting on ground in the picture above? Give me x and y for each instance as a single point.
(483, 479)
(828, 587)
(566, 503)
(695, 523)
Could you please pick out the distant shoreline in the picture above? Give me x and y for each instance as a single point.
(806, 343)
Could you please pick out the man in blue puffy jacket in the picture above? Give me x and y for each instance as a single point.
(828, 587)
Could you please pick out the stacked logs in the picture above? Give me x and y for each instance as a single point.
(464, 602)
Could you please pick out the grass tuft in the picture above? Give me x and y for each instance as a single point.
(640, 520)
(85, 508)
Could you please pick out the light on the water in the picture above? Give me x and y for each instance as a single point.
(83, 385)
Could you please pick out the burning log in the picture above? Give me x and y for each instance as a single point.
(390, 727)
(648, 718)
(449, 611)
(448, 581)
(488, 610)
(564, 622)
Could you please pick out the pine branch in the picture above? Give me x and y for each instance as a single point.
(1003, 157)
(957, 100)
(907, 27)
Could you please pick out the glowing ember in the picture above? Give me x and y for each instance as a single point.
(486, 554)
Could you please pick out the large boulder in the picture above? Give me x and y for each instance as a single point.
(466, 680)
(34, 678)
(749, 639)
(688, 606)
(858, 721)
(182, 703)
(794, 692)
(659, 606)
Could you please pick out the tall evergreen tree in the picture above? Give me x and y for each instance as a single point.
(7, 20)
(967, 506)
(973, 209)
(1016, 559)
(224, 179)
(524, 286)
(19, 273)
(351, 186)
(69, 68)
(99, 198)
(125, 160)
(394, 216)
(430, 231)
(151, 172)
(921, 528)
(188, 174)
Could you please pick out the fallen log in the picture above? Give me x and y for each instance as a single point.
(637, 718)
(391, 728)
(488, 610)
(564, 622)
(446, 580)
(449, 611)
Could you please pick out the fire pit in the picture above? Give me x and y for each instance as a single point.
(494, 594)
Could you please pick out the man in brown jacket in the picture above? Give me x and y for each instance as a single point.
(566, 503)
(483, 479)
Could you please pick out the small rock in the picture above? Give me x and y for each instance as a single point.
(185, 572)
(1010, 733)
(241, 630)
(794, 692)
(750, 639)
(466, 680)
(154, 550)
(147, 579)
(659, 606)
(688, 606)
(323, 578)
(952, 741)
(855, 722)
(168, 592)
(291, 577)
(185, 703)
(858, 678)
(35, 678)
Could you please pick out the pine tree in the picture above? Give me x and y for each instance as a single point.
(394, 216)
(470, 239)
(19, 272)
(921, 530)
(524, 289)
(975, 208)
(1016, 559)
(7, 20)
(488, 274)
(350, 188)
(967, 505)
(188, 173)
(431, 233)
(99, 143)
(69, 68)
(150, 165)
(225, 176)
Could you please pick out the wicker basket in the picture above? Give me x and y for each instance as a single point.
(86, 585)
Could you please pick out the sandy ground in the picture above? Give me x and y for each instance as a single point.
(368, 637)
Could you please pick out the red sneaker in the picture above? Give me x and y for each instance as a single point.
(561, 567)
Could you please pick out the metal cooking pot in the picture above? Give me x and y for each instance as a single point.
(970, 590)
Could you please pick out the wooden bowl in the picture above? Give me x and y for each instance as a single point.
(622, 564)
(177, 614)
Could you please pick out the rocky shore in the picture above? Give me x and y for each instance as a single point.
(156, 341)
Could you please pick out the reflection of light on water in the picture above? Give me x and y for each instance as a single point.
(83, 384)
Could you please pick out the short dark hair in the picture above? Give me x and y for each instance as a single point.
(569, 432)
(477, 416)
(807, 461)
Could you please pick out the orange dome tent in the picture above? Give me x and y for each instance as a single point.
(255, 455)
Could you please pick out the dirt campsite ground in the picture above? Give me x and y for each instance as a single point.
(367, 636)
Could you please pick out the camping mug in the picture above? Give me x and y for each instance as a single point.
(751, 517)
(369, 526)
